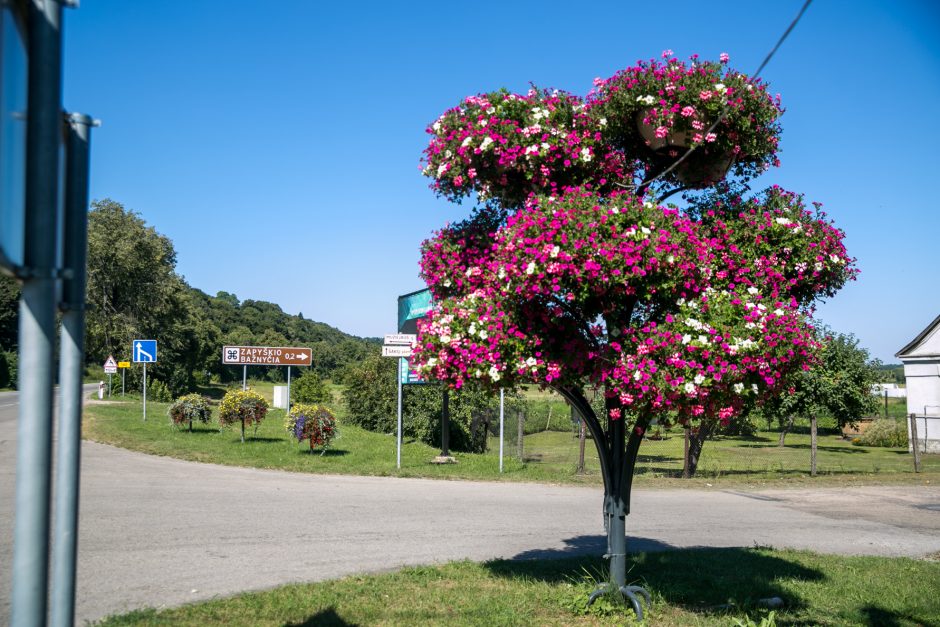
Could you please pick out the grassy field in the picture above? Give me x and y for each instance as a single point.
(688, 587)
(547, 455)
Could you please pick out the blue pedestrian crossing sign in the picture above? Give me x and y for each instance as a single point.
(144, 351)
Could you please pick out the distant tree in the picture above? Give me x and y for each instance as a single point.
(310, 388)
(9, 313)
(839, 384)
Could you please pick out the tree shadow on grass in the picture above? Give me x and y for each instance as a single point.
(701, 580)
(879, 617)
(330, 452)
(323, 618)
(806, 447)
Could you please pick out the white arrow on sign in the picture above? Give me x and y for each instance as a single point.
(142, 355)
(396, 351)
(401, 338)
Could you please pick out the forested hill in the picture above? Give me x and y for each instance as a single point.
(260, 323)
(134, 291)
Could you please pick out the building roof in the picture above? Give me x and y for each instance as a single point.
(926, 344)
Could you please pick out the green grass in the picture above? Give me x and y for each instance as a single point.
(549, 456)
(688, 587)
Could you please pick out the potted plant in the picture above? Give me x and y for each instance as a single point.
(188, 408)
(311, 422)
(657, 110)
(245, 406)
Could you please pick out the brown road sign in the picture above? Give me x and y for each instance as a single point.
(266, 356)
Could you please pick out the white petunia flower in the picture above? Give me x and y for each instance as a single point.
(530, 269)
(689, 388)
(699, 379)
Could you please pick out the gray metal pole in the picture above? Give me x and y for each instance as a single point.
(501, 423)
(123, 370)
(398, 440)
(37, 317)
(68, 458)
(110, 385)
(244, 378)
(288, 389)
(145, 391)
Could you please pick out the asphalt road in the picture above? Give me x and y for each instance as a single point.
(160, 532)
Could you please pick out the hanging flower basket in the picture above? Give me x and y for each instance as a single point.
(655, 111)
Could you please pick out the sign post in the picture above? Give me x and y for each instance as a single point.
(266, 356)
(399, 345)
(144, 352)
(110, 367)
(123, 365)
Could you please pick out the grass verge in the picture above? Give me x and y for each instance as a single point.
(547, 456)
(688, 587)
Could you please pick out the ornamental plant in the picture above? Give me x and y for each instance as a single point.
(244, 406)
(315, 423)
(581, 278)
(662, 107)
(188, 408)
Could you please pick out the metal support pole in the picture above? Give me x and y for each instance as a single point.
(244, 378)
(914, 443)
(445, 424)
(502, 414)
(123, 370)
(145, 391)
(288, 389)
(37, 317)
(110, 385)
(398, 437)
(68, 458)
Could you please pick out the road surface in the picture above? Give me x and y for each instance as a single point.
(159, 532)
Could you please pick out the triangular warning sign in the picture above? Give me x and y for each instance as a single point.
(110, 363)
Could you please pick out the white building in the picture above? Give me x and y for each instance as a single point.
(921, 359)
(891, 390)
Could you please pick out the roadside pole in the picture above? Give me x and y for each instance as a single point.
(110, 385)
(288, 389)
(502, 414)
(244, 378)
(123, 370)
(145, 391)
(398, 437)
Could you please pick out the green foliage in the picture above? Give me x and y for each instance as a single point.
(9, 313)
(740, 425)
(190, 408)
(312, 422)
(766, 621)
(840, 384)
(310, 388)
(8, 369)
(245, 406)
(371, 394)
(884, 432)
(158, 391)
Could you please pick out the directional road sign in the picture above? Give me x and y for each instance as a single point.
(266, 356)
(401, 338)
(396, 350)
(110, 366)
(144, 351)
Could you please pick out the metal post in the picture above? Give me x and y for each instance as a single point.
(37, 317)
(501, 422)
(886, 402)
(68, 459)
(244, 378)
(110, 385)
(398, 437)
(813, 445)
(445, 424)
(145, 391)
(123, 371)
(288, 389)
(914, 443)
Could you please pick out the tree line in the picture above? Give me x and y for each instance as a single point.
(135, 292)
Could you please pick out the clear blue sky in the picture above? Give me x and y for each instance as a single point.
(277, 143)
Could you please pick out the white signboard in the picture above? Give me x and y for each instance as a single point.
(396, 351)
(110, 366)
(401, 338)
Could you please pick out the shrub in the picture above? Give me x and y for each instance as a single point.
(8, 370)
(245, 406)
(883, 432)
(189, 408)
(310, 388)
(311, 422)
(158, 391)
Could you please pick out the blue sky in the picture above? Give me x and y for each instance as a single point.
(277, 143)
